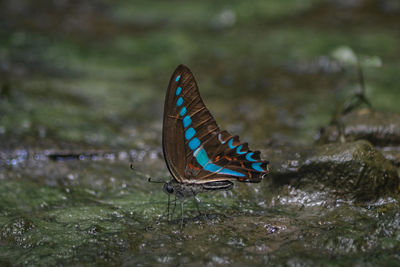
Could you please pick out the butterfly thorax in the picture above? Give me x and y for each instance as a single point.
(182, 190)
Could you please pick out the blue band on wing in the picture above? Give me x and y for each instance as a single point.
(177, 78)
(230, 172)
(186, 121)
(249, 158)
(211, 167)
(202, 158)
(257, 166)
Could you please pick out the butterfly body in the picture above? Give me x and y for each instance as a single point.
(183, 191)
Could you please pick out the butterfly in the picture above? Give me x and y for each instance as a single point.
(199, 155)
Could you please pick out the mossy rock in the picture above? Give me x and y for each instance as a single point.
(354, 170)
(379, 128)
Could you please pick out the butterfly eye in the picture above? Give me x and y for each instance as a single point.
(168, 188)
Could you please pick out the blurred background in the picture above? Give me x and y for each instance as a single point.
(82, 87)
(95, 72)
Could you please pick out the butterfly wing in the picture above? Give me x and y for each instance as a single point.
(183, 109)
(228, 159)
(195, 149)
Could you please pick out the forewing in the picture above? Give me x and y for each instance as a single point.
(184, 115)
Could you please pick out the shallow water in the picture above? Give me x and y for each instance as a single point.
(82, 91)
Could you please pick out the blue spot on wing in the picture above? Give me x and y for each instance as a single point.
(178, 90)
(248, 156)
(186, 121)
(179, 102)
(257, 166)
(230, 144)
(194, 143)
(177, 78)
(189, 133)
(183, 111)
(238, 150)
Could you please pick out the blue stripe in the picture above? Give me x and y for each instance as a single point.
(179, 102)
(187, 121)
(194, 143)
(183, 111)
(257, 167)
(177, 78)
(202, 157)
(212, 167)
(230, 144)
(189, 133)
(238, 150)
(178, 90)
(230, 172)
(248, 156)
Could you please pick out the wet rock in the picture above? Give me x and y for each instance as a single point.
(15, 230)
(354, 170)
(391, 153)
(382, 129)
(379, 128)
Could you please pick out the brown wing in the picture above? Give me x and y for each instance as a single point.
(195, 149)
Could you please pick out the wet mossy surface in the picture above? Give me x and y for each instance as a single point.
(82, 87)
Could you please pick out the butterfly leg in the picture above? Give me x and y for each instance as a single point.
(173, 209)
(182, 203)
(196, 202)
(169, 198)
